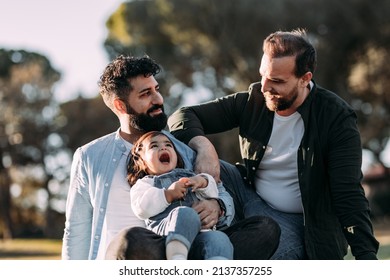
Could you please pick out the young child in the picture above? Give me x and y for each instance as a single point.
(162, 193)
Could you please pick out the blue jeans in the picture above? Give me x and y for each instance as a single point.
(254, 238)
(248, 203)
(183, 224)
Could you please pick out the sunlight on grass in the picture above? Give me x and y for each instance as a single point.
(30, 249)
(47, 249)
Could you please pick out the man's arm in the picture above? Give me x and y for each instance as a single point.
(191, 124)
(351, 205)
(215, 116)
(207, 160)
(78, 224)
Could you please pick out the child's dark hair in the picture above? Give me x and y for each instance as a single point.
(136, 169)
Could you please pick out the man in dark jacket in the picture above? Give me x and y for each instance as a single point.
(302, 154)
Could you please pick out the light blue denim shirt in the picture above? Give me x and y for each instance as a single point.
(92, 172)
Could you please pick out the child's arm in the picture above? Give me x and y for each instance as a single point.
(146, 200)
(203, 184)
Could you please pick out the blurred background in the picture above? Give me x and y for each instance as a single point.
(49, 101)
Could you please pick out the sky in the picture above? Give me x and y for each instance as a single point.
(69, 33)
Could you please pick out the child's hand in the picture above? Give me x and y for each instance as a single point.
(184, 180)
(176, 190)
(196, 182)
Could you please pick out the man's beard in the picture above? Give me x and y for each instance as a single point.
(145, 122)
(282, 103)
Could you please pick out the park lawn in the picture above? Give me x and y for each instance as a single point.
(384, 252)
(30, 249)
(48, 249)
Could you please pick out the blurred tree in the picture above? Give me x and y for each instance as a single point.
(26, 123)
(215, 46)
(369, 81)
(85, 120)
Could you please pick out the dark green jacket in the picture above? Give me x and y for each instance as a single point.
(329, 163)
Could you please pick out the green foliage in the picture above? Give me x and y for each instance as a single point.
(26, 104)
(85, 120)
(26, 123)
(218, 44)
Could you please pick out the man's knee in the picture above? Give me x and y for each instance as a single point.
(254, 238)
(292, 253)
(211, 245)
(136, 243)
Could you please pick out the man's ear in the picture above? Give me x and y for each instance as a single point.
(305, 79)
(120, 106)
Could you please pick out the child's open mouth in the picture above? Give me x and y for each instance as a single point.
(164, 158)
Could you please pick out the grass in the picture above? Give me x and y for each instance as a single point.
(30, 249)
(47, 249)
(383, 253)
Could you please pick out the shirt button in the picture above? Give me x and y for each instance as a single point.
(101, 210)
(106, 185)
(114, 160)
(253, 168)
(96, 237)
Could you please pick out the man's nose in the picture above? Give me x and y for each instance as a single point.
(157, 98)
(265, 85)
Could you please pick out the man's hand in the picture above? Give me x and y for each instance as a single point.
(207, 158)
(208, 211)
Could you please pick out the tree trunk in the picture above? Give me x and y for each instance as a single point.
(5, 202)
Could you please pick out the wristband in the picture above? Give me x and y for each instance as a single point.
(222, 206)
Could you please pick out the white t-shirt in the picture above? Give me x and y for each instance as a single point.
(119, 213)
(277, 175)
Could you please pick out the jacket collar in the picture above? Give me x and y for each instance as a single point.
(304, 109)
